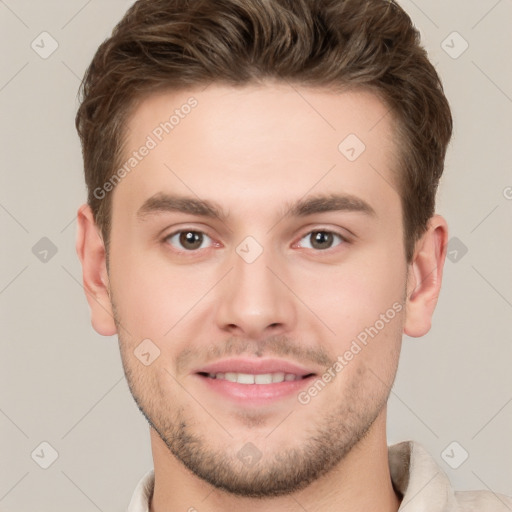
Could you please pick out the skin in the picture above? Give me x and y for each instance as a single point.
(255, 150)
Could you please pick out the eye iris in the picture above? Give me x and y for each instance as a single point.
(191, 239)
(321, 239)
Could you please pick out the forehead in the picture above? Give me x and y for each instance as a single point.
(265, 142)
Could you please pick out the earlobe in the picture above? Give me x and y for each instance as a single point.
(91, 252)
(425, 276)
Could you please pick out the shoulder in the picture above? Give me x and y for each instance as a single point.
(141, 498)
(423, 483)
(482, 501)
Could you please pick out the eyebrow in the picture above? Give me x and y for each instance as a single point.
(328, 203)
(162, 203)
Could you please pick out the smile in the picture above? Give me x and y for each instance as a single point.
(259, 378)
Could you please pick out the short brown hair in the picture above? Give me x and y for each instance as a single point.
(178, 44)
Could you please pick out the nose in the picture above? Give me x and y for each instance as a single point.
(254, 301)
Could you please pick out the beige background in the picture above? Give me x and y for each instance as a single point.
(63, 384)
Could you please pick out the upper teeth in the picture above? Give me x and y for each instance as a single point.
(248, 378)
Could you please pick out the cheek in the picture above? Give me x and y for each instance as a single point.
(362, 305)
(153, 298)
(353, 296)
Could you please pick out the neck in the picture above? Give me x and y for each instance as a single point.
(360, 482)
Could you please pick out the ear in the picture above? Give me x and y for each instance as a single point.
(424, 277)
(91, 252)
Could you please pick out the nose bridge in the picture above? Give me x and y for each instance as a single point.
(253, 282)
(254, 278)
(253, 298)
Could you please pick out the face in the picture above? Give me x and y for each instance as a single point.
(263, 265)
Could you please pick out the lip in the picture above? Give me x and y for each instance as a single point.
(254, 394)
(255, 366)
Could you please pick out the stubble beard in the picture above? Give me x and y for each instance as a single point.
(330, 435)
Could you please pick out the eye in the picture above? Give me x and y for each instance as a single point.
(321, 239)
(188, 239)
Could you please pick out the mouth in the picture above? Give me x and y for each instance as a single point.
(252, 382)
(256, 378)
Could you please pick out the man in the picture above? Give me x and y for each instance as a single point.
(260, 232)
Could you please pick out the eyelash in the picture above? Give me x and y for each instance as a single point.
(343, 239)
